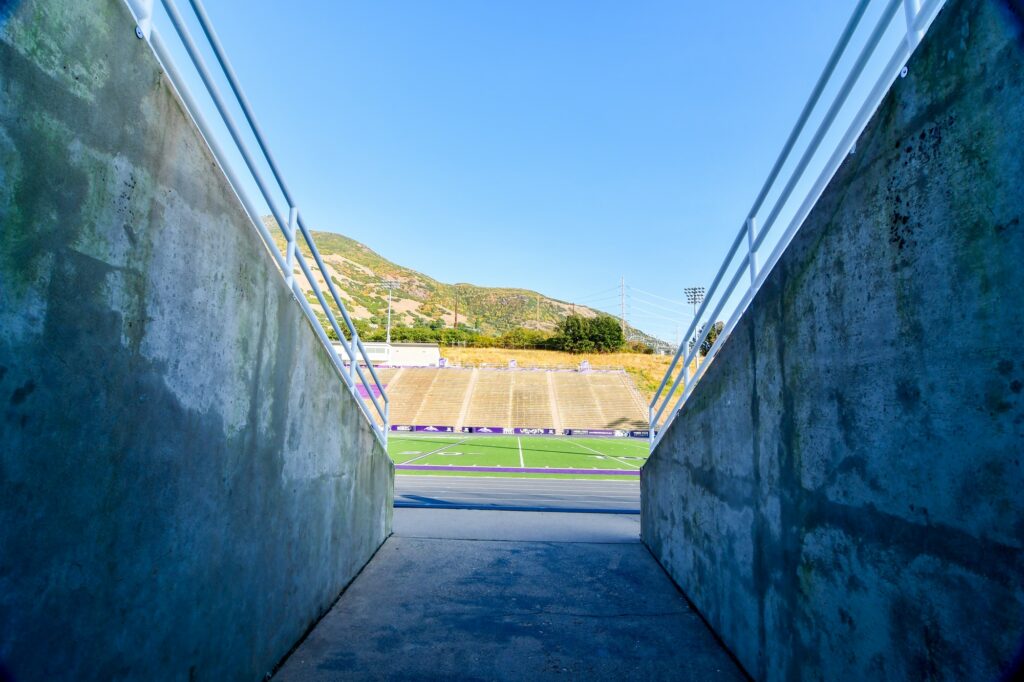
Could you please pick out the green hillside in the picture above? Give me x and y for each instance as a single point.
(358, 272)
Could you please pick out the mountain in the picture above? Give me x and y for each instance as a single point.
(359, 274)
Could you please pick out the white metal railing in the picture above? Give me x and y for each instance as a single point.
(682, 376)
(291, 223)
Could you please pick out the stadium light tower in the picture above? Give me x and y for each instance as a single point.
(695, 296)
(390, 284)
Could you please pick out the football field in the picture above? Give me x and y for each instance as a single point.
(517, 455)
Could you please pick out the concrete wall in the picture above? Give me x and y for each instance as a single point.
(184, 482)
(841, 498)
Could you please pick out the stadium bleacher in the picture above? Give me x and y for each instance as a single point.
(508, 398)
(444, 398)
(531, 400)
(491, 400)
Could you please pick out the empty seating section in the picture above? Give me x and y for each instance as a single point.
(489, 404)
(619, 403)
(597, 400)
(577, 404)
(531, 402)
(513, 398)
(444, 398)
(409, 392)
(384, 374)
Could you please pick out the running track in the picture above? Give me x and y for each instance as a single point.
(523, 494)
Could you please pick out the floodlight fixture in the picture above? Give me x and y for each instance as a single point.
(694, 296)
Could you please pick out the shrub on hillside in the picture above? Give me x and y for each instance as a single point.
(639, 347)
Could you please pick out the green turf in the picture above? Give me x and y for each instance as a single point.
(516, 451)
(501, 474)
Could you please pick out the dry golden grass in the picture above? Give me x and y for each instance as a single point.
(646, 370)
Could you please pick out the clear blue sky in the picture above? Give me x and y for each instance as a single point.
(550, 145)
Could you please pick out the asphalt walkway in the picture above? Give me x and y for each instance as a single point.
(495, 595)
(518, 494)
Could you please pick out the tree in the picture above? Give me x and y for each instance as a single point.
(606, 334)
(573, 335)
(577, 334)
(706, 344)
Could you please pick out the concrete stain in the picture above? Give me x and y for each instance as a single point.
(22, 392)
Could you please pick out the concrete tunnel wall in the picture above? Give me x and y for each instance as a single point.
(841, 496)
(186, 484)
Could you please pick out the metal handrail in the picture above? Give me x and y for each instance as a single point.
(354, 349)
(678, 377)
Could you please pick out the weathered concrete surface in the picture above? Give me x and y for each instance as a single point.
(842, 496)
(185, 485)
(534, 608)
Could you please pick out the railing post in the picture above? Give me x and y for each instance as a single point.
(911, 8)
(289, 256)
(353, 354)
(751, 252)
(650, 427)
(143, 10)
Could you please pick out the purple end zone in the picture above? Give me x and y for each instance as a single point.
(518, 470)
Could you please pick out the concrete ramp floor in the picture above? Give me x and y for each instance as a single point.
(491, 595)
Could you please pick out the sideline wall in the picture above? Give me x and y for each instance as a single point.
(185, 483)
(841, 497)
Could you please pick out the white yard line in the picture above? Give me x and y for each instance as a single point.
(434, 452)
(581, 445)
(522, 464)
(603, 454)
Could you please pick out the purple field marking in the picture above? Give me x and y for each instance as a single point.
(517, 470)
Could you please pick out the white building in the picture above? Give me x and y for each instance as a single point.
(400, 354)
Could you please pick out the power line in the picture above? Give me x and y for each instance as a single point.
(651, 316)
(661, 307)
(665, 298)
(614, 297)
(596, 293)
